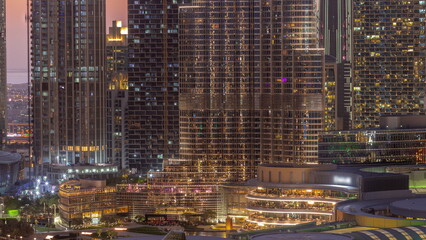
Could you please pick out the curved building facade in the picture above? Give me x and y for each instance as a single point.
(396, 210)
(9, 170)
(293, 194)
(87, 199)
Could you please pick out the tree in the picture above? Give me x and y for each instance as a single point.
(109, 219)
(11, 203)
(111, 234)
(140, 218)
(14, 227)
(98, 233)
(46, 201)
(209, 215)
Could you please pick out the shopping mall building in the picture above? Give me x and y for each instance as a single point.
(285, 194)
(87, 199)
(282, 194)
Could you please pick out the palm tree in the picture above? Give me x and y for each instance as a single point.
(111, 234)
(98, 233)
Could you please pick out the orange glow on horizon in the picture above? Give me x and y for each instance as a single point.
(16, 31)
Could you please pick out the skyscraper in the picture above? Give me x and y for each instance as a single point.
(247, 94)
(68, 64)
(335, 24)
(335, 36)
(251, 91)
(3, 72)
(153, 115)
(388, 60)
(251, 85)
(218, 130)
(117, 94)
(292, 74)
(217, 59)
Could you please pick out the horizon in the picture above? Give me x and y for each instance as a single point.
(16, 35)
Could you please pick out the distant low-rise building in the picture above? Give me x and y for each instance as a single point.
(135, 196)
(399, 140)
(57, 173)
(9, 170)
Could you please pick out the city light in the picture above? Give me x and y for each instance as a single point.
(236, 115)
(120, 229)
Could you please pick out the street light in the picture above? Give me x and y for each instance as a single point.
(54, 214)
(54, 210)
(21, 213)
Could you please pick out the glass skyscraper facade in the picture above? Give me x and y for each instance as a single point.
(153, 115)
(68, 89)
(388, 59)
(3, 73)
(290, 30)
(117, 94)
(251, 91)
(335, 36)
(336, 32)
(218, 69)
(247, 95)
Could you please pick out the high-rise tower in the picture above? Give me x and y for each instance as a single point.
(292, 78)
(68, 69)
(3, 73)
(335, 25)
(335, 36)
(117, 94)
(218, 130)
(251, 91)
(389, 46)
(153, 117)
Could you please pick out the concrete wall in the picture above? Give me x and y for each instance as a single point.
(291, 174)
(417, 179)
(402, 122)
(386, 194)
(87, 183)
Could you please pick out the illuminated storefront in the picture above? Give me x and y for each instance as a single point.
(293, 194)
(87, 199)
(288, 194)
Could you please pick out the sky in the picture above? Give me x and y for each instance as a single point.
(16, 34)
